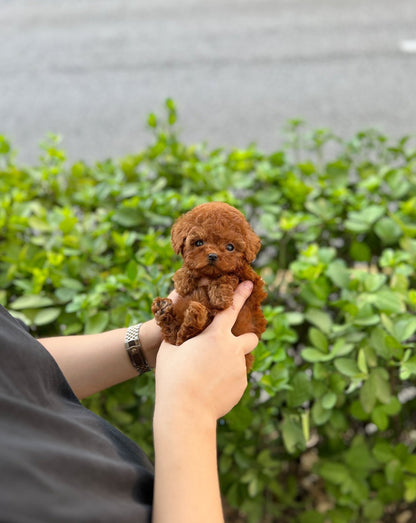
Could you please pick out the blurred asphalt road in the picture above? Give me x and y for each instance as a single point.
(92, 70)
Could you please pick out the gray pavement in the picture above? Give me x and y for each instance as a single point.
(92, 70)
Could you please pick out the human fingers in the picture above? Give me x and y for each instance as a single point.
(228, 317)
(248, 342)
(174, 296)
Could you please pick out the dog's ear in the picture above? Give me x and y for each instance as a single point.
(253, 244)
(179, 232)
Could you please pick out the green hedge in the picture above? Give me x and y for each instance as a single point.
(325, 431)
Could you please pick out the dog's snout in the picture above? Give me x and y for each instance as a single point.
(212, 257)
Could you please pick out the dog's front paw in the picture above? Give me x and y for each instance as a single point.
(162, 309)
(221, 296)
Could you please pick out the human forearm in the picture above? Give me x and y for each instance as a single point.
(196, 384)
(186, 477)
(94, 362)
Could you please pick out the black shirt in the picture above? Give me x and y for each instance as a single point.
(59, 462)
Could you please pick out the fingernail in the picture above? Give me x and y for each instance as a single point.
(247, 285)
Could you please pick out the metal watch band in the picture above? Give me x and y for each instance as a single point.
(134, 349)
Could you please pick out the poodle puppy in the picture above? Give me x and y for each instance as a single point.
(217, 246)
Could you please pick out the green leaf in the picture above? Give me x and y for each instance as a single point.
(362, 362)
(233, 496)
(341, 348)
(65, 295)
(127, 217)
(318, 339)
(393, 407)
(336, 473)
(387, 230)
(368, 395)
(320, 319)
(388, 301)
(170, 104)
(46, 316)
(152, 120)
(328, 400)
(239, 418)
(359, 457)
(97, 323)
(254, 487)
(379, 418)
(370, 356)
(393, 472)
(320, 415)
(314, 293)
(314, 355)
(360, 252)
(361, 221)
(322, 208)
(338, 273)
(410, 489)
(277, 380)
(73, 328)
(71, 283)
(371, 213)
(410, 464)
(132, 270)
(365, 315)
(33, 301)
(4, 145)
(383, 451)
(407, 368)
(348, 367)
(387, 323)
(301, 390)
(294, 318)
(404, 329)
(292, 434)
(378, 342)
(382, 385)
(373, 282)
(373, 509)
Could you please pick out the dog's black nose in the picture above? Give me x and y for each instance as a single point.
(212, 257)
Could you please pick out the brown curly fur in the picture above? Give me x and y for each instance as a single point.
(217, 246)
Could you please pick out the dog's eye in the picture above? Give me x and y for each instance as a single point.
(230, 247)
(199, 243)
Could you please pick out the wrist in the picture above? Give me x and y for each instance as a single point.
(150, 338)
(181, 416)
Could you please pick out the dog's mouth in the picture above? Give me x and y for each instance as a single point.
(211, 269)
(210, 264)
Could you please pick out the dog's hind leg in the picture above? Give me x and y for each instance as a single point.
(195, 320)
(165, 317)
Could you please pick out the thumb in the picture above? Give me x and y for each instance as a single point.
(248, 342)
(228, 317)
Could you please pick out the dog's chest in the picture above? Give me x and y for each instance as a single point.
(201, 295)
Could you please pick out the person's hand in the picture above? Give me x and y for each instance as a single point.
(207, 374)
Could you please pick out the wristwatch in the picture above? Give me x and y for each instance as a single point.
(134, 349)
